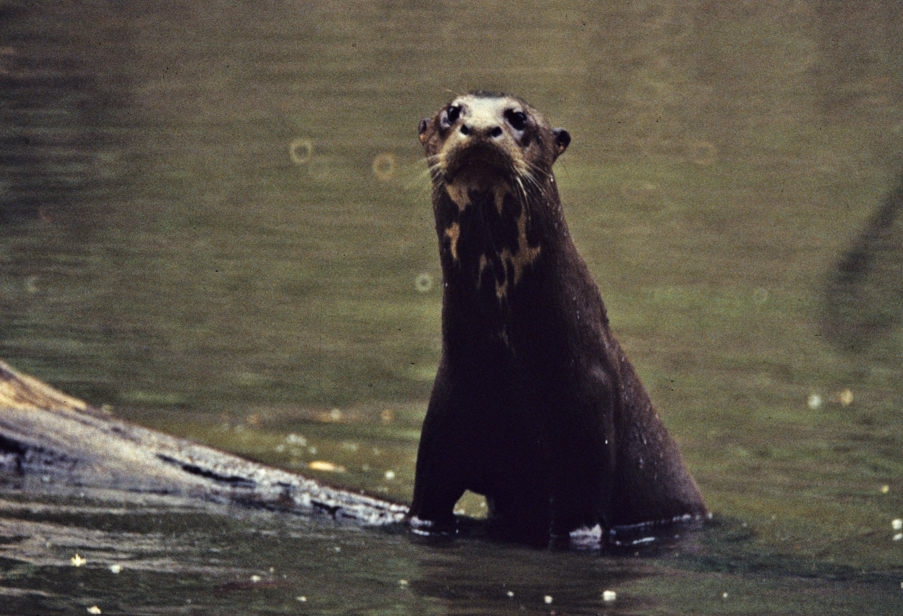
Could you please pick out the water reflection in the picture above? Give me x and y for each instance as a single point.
(864, 300)
(66, 114)
(152, 553)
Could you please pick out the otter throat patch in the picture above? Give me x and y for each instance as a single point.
(459, 193)
(513, 263)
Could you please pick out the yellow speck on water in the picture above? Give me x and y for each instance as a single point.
(609, 596)
(302, 599)
(897, 524)
(94, 610)
(116, 568)
(845, 397)
(885, 489)
(78, 561)
(547, 599)
(322, 465)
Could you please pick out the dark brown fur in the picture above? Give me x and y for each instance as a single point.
(535, 404)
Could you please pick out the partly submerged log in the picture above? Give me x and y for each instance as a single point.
(46, 433)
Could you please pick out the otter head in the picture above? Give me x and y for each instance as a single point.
(480, 139)
(490, 158)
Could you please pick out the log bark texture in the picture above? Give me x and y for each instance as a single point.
(47, 433)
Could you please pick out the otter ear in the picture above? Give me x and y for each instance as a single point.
(422, 128)
(562, 140)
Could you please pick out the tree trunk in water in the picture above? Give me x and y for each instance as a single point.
(46, 433)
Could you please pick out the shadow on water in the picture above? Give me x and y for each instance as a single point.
(864, 297)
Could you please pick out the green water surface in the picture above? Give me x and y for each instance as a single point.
(214, 218)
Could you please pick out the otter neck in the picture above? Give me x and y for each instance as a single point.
(492, 236)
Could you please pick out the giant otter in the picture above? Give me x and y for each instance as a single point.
(534, 405)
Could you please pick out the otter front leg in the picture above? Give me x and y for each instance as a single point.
(441, 475)
(435, 493)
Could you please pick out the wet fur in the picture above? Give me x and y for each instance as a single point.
(534, 404)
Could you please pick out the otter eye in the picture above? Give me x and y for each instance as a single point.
(517, 119)
(452, 114)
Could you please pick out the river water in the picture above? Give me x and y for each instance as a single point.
(214, 218)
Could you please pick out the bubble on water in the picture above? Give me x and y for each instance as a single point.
(384, 166)
(423, 283)
(300, 150)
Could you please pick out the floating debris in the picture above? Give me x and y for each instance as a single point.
(547, 599)
(94, 610)
(78, 561)
(323, 465)
(813, 401)
(609, 595)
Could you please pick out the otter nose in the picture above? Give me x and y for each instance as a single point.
(491, 131)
